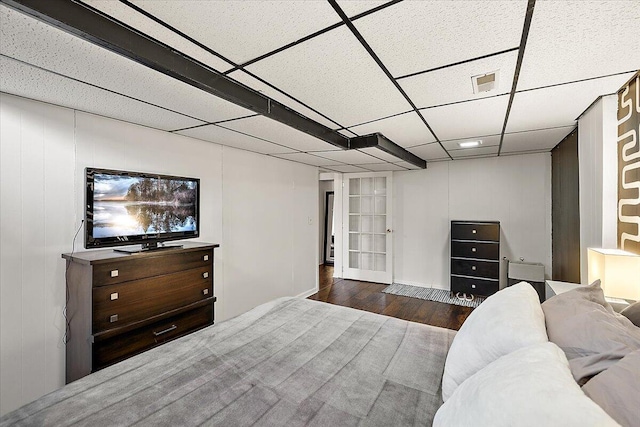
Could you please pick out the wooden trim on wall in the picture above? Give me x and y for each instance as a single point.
(565, 210)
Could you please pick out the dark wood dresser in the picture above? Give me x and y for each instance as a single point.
(475, 257)
(120, 305)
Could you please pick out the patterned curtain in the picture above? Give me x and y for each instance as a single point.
(629, 166)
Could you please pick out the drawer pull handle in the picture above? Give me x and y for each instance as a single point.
(114, 273)
(114, 296)
(113, 318)
(205, 275)
(473, 267)
(205, 292)
(473, 249)
(473, 286)
(474, 231)
(205, 258)
(169, 329)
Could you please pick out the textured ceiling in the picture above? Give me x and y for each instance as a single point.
(401, 68)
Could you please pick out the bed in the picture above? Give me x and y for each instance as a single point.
(300, 362)
(289, 362)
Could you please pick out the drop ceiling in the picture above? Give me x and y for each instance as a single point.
(401, 68)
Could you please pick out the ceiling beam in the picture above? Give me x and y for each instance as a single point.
(96, 28)
(378, 140)
(92, 25)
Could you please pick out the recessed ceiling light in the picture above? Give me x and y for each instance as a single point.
(469, 144)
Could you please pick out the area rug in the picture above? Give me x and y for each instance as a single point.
(431, 294)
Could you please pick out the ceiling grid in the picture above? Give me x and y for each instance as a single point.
(399, 68)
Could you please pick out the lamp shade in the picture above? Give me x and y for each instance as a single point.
(618, 270)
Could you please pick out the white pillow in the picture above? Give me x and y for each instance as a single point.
(506, 321)
(532, 386)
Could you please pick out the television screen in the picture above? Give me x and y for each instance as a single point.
(134, 207)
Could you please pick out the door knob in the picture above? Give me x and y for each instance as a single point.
(389, 230)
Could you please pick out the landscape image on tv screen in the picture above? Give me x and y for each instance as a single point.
(128, 206)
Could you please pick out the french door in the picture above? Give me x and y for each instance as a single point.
(367, 243)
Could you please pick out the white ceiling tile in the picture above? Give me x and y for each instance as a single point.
(222, 136)
(346, 169)
(256, 84)
(131, 17)
(383, 167)
(334, 73)
(429, 151)
(243, 30)
(468, 119)
(414, 36)
(573, 40)
(453, 84)
(544, 139)
(355, 7)
(405, 129)
(559, 105)
(352, 157)
(39, 44)
(271, 130)
(308, 159)
(379, 154)
(24, 80)
(487, 141)
(476, 152)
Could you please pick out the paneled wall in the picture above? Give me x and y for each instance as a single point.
(597, 178)
(515, 190)
(263, 211)
(37, 223)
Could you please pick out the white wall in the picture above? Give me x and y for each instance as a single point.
(515, 190)
(263, 211)
(598, 177)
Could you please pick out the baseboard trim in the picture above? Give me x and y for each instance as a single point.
(308, 293)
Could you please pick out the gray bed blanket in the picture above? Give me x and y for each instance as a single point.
(285, 363)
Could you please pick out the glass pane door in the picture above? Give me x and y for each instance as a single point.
(367, 224)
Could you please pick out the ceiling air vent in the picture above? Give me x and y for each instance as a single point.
(485, 82)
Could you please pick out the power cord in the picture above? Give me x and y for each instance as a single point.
(67, 332)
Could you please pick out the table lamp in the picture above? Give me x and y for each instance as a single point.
(618, 271)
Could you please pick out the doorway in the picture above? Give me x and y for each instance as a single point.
(329, 229)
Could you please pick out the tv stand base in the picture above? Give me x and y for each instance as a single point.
(146, 248)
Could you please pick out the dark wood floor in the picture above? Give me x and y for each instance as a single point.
(368, 296)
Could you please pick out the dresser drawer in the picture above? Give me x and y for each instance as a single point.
(128, 344)
(470, 267)
(479, 250)
(474, 286)
(133, 268)
(473, 231)
(118, 305)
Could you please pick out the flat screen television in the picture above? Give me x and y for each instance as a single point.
(131, 208)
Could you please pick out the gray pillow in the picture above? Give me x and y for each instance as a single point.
(587, 329)
(633, 313)
(617, 389)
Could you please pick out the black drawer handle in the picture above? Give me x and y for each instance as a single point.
(169, 329)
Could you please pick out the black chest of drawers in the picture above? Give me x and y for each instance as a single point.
(475, 257)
